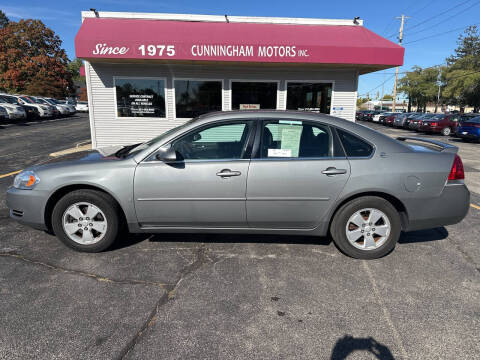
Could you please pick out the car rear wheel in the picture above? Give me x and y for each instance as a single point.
(86, 220)
(446, 131)
(366, 228)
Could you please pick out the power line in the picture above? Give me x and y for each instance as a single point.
(375, 88)
(443, 21)
(439, 34)
(433, 17)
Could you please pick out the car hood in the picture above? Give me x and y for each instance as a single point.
(82, 157)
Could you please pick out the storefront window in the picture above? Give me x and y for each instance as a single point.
(140, 97)
(254, 95)
(193, 98)
(309, 96)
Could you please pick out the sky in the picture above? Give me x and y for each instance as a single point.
(440, 21)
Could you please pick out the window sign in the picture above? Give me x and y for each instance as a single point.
(249, 106)
(140, 97)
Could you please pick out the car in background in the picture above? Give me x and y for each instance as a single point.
(15, 112)
(368, 115)
(411, 117)
(68, 103)
(45, 111)
(62, 109)
(382, 116)
(416, 122)
(371, 187)
(443, 124)
(39, 100)
(389, 119)
(469, 130)
(400, 119)
(82, 106)
(31, 111)
(3, 114)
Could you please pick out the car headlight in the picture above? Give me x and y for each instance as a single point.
(26, 180)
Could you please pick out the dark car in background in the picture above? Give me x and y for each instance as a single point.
(416, 122)
(400, 119)
(443, 124)
(3, 114)
(411, 117)
(469, 129)
(389, 119)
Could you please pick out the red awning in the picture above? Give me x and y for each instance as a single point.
(108, 38)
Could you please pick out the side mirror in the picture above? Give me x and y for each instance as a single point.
(167, 155)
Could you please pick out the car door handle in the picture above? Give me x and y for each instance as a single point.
(333, 171)
(228, 173)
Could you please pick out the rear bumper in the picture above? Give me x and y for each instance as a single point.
(27, 206)
(449, 208)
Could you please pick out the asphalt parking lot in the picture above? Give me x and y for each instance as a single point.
(191, 296)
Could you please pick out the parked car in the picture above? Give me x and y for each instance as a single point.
(469, 129)
(415, 124)
(62, 110)
(240, 172)
(376, 117)
(69, 104)
(45, 111)
(30, 111)
(440, 123)
(82, 106)
(389, 119)
(382, 116)
(368, 115)
(411, 117)
(400, 120)
(3, 114)
(15, 112)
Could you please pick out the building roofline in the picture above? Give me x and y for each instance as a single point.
(219, 18)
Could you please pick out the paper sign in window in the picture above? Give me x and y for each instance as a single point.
(279, 153)
(290, 138)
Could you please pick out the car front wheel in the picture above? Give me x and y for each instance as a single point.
(446, 131)
(86, 220)
(366, 228)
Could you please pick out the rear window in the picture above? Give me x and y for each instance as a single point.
(475, 120)
(354, 146)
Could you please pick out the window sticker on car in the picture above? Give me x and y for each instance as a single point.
(290, 138)
(279, 153)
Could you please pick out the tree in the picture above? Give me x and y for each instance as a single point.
(74, 67)
(462, 77)
(3, 20)
(361, 100)
(82, 94)
(420, 86)
(32, 60)
(387, 97)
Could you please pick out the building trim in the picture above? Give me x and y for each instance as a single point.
(219, 18)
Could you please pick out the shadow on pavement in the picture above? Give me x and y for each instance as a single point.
(132, 239)
(347, 345)
(436, 234)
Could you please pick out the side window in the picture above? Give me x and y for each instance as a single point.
(224, 141)
(295, 139)
(354, 146)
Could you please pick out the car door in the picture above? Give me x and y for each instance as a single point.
(296, 175)
(205, 187)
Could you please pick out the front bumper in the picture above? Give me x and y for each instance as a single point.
(27, 206)
(449, 208)
(468, 135)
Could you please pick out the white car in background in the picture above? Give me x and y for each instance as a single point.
(45, 111)
(13, 111)
(376, 118)
(70, 107)
(62, 109)
(82, 106)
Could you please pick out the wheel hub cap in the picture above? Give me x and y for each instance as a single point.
(84, 223)
(368, 229)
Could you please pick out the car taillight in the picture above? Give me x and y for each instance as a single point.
(433, 124)
(457, 173)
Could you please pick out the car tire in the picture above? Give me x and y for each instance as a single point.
(344, 231)
(93, 234)
(446, 131)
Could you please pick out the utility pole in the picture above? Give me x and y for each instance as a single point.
(400, 38)
(439, 84)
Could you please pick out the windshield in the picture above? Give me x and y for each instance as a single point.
(6, 99)
(159, 138)
(27, 100)
(50, 101)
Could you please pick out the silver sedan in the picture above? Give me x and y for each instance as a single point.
(271, 172)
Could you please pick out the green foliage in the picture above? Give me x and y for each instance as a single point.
(74, 67)
(361, 100)
(3, 19)
(387, 97)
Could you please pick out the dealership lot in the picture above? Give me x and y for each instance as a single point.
(230, 296)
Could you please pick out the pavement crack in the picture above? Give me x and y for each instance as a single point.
(82, 273)
(200, 258)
